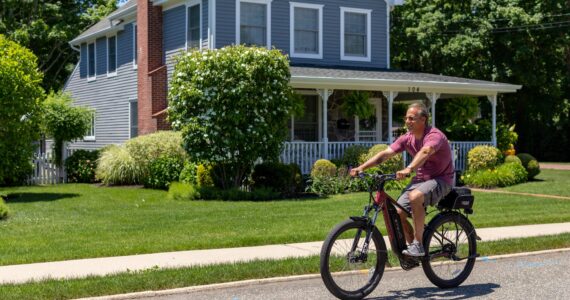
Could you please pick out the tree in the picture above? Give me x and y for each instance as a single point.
(46, 27)
(64, 122)
(20, 108)
(232, 106)
(515, 41)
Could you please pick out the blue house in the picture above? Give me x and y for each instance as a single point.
(334, 46)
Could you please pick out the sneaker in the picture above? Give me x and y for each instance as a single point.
(414, 249)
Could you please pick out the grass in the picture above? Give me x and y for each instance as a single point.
(74, 221)
(548, 182)
(160, 279)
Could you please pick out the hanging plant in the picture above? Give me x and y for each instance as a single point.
(356, 104)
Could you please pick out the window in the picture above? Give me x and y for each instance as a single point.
(306, 30)
(112, 56)
(91, 74)
(193, 38)
(253, 22)
(134, 121)
(135, 54)
(90, 134)
(355, 34)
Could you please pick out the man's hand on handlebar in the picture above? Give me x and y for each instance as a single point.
(403, 173)
(355, 171)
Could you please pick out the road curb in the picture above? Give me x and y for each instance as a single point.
(148, 294)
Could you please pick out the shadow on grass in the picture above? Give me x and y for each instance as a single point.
(461, 292)
(37, 197)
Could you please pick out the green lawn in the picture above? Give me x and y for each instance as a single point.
(548, 182)
(79, 221)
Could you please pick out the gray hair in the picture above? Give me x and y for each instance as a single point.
(423, 111)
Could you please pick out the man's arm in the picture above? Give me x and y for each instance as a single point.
(418, 161)
(379, 158)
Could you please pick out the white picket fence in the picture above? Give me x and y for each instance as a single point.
(45, 170)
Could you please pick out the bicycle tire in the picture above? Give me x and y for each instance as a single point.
(340, 272)
(450, 240)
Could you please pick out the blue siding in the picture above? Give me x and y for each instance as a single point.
(101, 60)
(280, 16)
(108, 96)
(174, 35)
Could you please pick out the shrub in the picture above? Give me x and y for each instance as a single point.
(483, 157)
(323, 168)
(4, 210)
(117, 166)
(507, 174)
(392, 165)
(513, 159)
(81, 166)
(282, 178)
(163, 171)
(204, 176)
(188, 173)
(486, 178)
(530, 164)
(182, 191)
(147, 148)
(352, 155)
(20, 110)
(231, 105)
(327, 185)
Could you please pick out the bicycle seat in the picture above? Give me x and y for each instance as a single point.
(458, 198)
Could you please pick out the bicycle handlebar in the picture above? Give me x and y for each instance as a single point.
(383, 177)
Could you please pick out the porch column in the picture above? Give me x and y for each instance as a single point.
(493, 100)
(391, 96)
(379, 120)
(325, 94)
(433, 99)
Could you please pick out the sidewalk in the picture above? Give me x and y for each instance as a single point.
(110, 265)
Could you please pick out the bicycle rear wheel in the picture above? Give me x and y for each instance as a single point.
(452, 248)
(348, 270)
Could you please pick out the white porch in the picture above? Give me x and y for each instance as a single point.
(319, 136)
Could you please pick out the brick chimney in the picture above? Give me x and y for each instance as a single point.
(152, 76)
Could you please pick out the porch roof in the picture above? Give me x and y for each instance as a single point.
(393, 80)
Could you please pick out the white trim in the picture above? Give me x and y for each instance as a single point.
(292, 53)
(112, 74)
(212, 24)
(94, 77)
(387, 36)
(368, 13)
(268, 19)
(91, 138)
(189, 4)
(135, 46)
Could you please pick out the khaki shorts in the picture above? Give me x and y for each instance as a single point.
(433, 190)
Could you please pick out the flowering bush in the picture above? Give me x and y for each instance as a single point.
(232, 106)
(81, 166)
(483, 157)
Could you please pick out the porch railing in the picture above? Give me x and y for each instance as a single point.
(305, 154)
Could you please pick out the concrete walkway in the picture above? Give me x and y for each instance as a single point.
(109, 265)
(554, 166)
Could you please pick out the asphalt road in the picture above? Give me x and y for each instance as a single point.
(545, 276)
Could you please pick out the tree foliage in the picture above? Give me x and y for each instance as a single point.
(20, 109)
(232, 106)
(46, 27)
(523, 42)
(64, 122)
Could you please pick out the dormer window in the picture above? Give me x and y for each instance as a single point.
(306, 30)
(355, 34)
(253, 22)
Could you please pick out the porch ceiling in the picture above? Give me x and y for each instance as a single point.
(397, 81)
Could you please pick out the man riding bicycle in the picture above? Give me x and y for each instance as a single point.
(434, 172)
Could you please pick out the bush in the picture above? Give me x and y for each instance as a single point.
(352, 155)
(327, 185)
(507, 174)
(483, 157)
(482, 178)
(188, 173)
(182, 191)
(513, 159)
(392, 165)
(204, 176)
(147, 148)
(4, 210)
(81, 166)
(323, 168)
(117, 166)
(163, 171)
(282, 178)
(20, 110)
(530, 164)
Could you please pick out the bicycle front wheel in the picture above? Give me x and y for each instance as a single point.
(452, 248)
(348, 270)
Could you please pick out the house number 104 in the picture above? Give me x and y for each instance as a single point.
(413, 89)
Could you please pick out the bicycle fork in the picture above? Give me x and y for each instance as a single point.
(369, 227)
